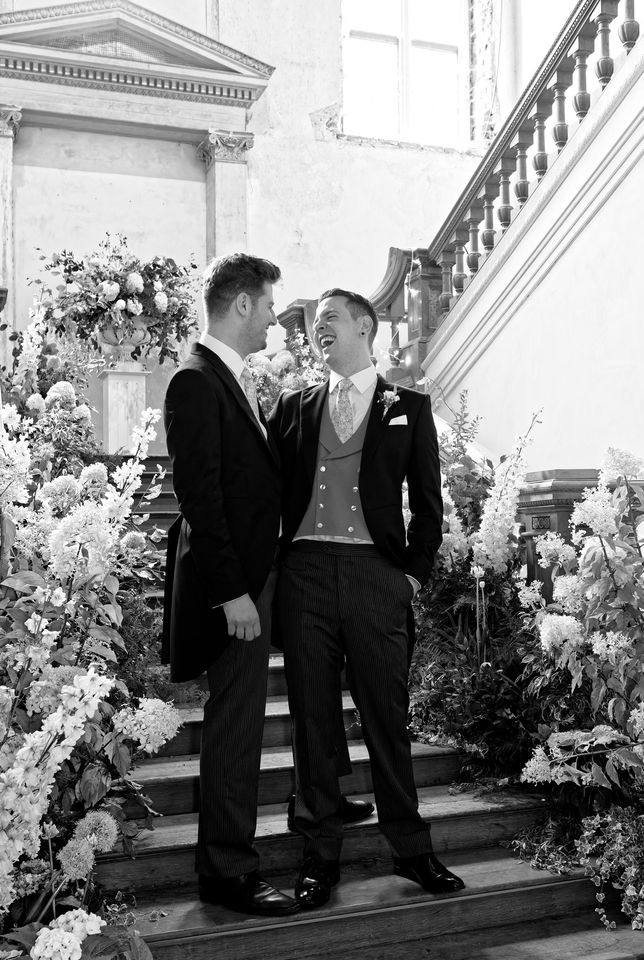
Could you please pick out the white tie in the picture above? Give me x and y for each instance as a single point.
(249, 388)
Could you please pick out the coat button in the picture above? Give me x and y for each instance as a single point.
(323, 486)
(350, 529)
(322, 469)
(320, 525)
(354, 508)
(355, 489)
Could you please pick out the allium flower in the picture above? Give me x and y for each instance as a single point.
(61, 392)
(553, 549)
(35, 404)
(61, 494)
(621, 463)
(151, 725)
(568, 591)
(161, 301)
(134, 541)
(134, 282)
(56, 945)
(608, 646)
(557, 631)
(596, 511)
(77, 859)
(93, 479)
(109, 289)
(537, 769)
(100, 829)
(637, 720)
(79, 923)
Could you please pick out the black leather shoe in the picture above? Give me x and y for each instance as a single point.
(351, 811)
(429, 872)
(248, 893)
(314, 882)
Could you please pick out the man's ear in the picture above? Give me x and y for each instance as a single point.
(366, 323)
(243, 303)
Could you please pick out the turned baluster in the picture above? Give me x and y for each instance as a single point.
(629, 29)
(504, 210)
(564, 79)
(491, 193)
(540, 158)
(446, 262)
(459, 277)
(474, 217)
(586, 45)
(522, 184)
(605, 64)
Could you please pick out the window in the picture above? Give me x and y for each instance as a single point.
(406, 70)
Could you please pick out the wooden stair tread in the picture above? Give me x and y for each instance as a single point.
(434, 803)
(364, 893)
(276, 706)
(170, 768)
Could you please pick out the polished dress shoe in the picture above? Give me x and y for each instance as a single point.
(429, 872)
(248, 893)
(351, 811)
(314, 882)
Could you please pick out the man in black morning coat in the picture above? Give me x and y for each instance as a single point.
(348, 574)
(218, 579)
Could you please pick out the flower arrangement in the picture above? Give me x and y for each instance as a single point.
(118, 303)
(293, 368)
(69, 730)
(593, 635)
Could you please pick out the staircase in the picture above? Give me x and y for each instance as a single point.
(506, 910)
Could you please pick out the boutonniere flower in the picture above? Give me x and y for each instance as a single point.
(388, 398)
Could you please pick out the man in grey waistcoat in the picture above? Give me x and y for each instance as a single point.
(349, 572)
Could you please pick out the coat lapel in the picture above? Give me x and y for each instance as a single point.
(378, 421)
(231, 381)
(311, 408)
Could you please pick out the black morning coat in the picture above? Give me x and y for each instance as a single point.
(227, 482)
(392, 452)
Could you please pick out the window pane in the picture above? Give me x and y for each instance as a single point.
(372, 16)
(433, 95)
(371, 87)
(436, 20)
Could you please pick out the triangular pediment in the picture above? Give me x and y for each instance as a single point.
(119, 30)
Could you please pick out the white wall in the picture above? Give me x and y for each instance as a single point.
(554, 318)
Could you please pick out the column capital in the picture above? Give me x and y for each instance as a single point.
(10, 117)
(225, 147)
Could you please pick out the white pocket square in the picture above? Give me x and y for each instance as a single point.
(398, 421)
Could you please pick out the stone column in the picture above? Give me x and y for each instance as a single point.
(212, 19)
(124, 400)
(224, 155)
(10, 117)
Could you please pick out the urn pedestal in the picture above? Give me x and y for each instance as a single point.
(124, 400)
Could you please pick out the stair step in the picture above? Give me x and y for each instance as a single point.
(173, 784)
(371, 914)
(277, 727)
(165, 856)
(276, 677)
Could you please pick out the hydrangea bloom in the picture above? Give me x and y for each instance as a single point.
(61, 392)
(557, 632)
(56, 945)
(84, 541)
(537, 769)
(36, 404)
(596, 511)
(134, 282)
(608, 646)
(133, 541)
(637, 720)
(150, 725)
(79, 923)
(551, 548)
(93, 479)
(568, 591)
(61, 494)
(621, 463)
(15, 464)
(161, 301)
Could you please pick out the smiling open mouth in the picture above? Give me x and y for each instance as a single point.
(326, 340)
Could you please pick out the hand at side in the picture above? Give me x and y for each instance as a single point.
(243, 618)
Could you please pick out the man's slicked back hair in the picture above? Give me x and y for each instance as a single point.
(357, 306)
(226, 277)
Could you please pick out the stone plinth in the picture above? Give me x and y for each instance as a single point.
(124, 400)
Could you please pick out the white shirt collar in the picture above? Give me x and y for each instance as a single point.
(361, 380)
(230, 357)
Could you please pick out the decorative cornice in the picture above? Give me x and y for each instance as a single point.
(225, 147)
(10, 117)
(141, 13)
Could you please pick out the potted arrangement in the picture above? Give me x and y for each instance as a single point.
(118, 304)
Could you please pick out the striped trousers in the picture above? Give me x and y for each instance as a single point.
(340, 601)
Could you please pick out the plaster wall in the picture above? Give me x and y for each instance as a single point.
(553, 320)
(71, 187)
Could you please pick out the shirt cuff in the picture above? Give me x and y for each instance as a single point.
(217, 606)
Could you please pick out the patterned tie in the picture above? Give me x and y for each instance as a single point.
(342, 414)
(249, 388)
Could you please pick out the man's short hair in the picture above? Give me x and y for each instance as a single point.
(357, 306)
(226, 277)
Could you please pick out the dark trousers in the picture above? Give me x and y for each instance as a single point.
(340, 601)
(231, 744)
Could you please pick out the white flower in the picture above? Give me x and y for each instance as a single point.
(61, 494)
(61, 392)
(72, 289)
(83, 541)
(32, 343)
(596, 511)
(529, 594)
(10, 417)
(151, 725)
(100, 829)
(79, 923)
(134, 306)
(15, 469)
(93, 479)
(134, 282)
(492, 544)
(44, 693)
(119, 305)
(636, 718)
(568, 591)
(161, 301)
(621, 463)
(56, 945)
(537, 769)
(157, 285)
(83, 414)
(557, 631)
(552, 549)
(109, 289)
(134, 541)
(608, 646)
(35, 404)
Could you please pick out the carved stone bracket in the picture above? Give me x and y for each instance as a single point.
(225, 147)
(10, 118)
